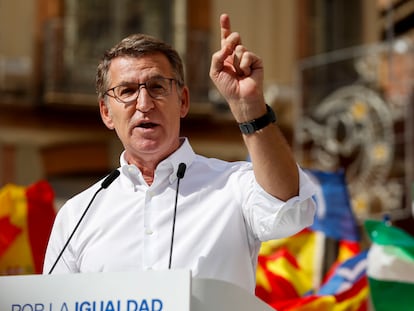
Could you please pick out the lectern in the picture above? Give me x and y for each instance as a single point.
(172, 290)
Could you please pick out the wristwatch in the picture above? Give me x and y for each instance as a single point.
(252, 126)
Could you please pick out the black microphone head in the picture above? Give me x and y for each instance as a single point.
(181, 170)
(111, 177)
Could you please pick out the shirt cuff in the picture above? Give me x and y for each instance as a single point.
(281, 219)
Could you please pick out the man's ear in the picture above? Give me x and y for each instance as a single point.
(185, 101)
(106, 114)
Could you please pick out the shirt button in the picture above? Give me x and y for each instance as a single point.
(148, 231)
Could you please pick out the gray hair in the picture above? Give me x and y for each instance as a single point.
(137, 45)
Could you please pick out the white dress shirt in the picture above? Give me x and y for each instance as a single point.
(222, 217)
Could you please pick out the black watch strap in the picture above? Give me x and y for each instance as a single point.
(257, 124)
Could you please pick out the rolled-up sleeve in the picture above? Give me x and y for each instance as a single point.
(271, 218)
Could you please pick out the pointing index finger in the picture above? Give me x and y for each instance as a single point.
(225, 26)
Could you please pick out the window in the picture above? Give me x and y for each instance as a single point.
(75, 43)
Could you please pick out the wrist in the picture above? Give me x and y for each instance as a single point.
(254, 125)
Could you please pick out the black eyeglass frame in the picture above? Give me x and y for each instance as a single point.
(141, 85)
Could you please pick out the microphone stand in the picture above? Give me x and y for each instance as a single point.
(180, 175)
(105, 184)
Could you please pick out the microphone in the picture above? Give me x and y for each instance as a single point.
(109, 179)
(180, 174)
(105, 184)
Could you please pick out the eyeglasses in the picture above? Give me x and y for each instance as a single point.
(128, 92)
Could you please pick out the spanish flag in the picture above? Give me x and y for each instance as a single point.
(26, 219)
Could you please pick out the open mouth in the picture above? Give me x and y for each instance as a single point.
(147, 125)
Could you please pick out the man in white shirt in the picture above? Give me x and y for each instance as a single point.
(224, 210)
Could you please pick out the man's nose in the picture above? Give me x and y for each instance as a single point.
(144, 100)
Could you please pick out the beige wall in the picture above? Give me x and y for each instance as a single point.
(16, 43)
(267, 28)
(16, 27)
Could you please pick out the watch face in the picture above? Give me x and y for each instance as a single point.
(247, 128)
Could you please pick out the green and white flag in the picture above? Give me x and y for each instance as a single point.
(390, 267)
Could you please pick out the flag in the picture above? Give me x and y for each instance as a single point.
(280, 277)
(335, 220)
(334, 215)
(345, 275)
(26, 219)
(390, 267)
(346, 290)
(345, 251)
(348, 284)
(306, 279)
(303, 246)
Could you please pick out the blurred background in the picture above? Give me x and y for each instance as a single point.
(338, 73)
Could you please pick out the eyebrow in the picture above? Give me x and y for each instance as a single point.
(151, 77)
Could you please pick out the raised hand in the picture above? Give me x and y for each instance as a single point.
(238, 75)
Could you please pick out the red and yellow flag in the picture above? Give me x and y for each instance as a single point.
(26, 219)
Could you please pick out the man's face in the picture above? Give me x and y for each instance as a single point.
(148, 128)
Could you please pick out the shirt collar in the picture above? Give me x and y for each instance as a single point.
(184, 154)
